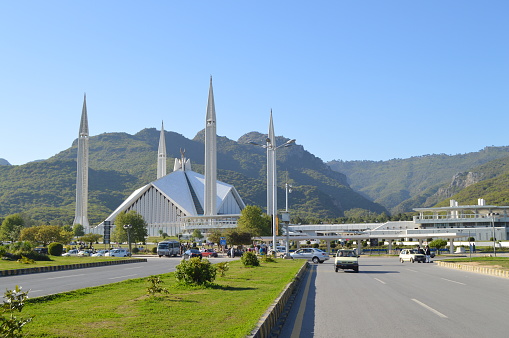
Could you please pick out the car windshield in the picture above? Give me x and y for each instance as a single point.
(346, 254)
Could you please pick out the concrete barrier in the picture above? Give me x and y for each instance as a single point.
(40, 269)
(473, 268)
(271, 316)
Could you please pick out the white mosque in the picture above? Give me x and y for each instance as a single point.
(179, 202)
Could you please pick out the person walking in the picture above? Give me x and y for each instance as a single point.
(427, 252)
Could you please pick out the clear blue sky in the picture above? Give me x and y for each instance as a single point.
(351, 80)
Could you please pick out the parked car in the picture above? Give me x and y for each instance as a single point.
(72, 252)
(192, 253)
(346, 259)
(85, 252)
(117, 253)
(209, 253)
(236, 253)
(411, 255)
(316, 255)
(41, 250)
(100, 253)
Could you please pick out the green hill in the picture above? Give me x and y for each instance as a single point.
(121, 163)
(403, 184)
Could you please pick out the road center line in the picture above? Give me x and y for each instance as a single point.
(453, 281)
(302, 308)
(440, 314)
(67, 276)
(381, 281)
(123, 276)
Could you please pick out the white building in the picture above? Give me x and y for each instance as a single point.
(184, 200)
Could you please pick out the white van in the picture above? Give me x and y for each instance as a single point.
(117, 253)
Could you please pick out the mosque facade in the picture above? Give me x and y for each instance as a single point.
(184, 200)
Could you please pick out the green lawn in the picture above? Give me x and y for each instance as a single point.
(231, 308)
(498, 262)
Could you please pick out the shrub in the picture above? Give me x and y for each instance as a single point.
(136, 250)
(155, 286)
(55, 249)
(26, 260)
(249, 259)
(195, 271)
(154, 250)
(268, 259)
(222, 268)
(10, 324)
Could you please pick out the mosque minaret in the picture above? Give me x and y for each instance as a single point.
(161, 155)
(210, 157)
(81, 215)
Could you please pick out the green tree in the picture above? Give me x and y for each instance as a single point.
(78, 230)
(11, 227)
(197, 234)
(215, 236)
(438, 244)
(235, 237)
(90, 238)
(252, 220)
(138, 230)
(45, 234)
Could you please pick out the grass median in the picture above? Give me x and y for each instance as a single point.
(229, 308)
(55, 260)
(493, 262)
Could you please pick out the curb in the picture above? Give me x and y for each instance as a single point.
(39, 269)
(476, 269)
(270, 318)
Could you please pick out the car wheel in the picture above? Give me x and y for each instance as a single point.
(356, 269)
(315, 260)
(412, 260)
(401, 260)
(336, 269)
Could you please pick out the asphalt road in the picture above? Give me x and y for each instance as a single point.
(46, 283)
(390, 299)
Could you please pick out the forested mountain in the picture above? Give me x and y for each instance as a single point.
(423, 181)
(4, 162)
(120, 163)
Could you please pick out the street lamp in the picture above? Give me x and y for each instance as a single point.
(288, 189)
(271, 178)
(128, 227)
(493, 214)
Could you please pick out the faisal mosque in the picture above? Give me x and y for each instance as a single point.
(175, 203)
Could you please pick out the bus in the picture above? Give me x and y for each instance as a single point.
(168, 248)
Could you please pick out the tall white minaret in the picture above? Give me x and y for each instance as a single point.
(271, 156)
(210, 156)
(161, 154)
(81, 215)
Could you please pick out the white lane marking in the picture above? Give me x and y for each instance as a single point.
(381, 281)
(453, 281)
(137, 267)
(412, 270)
(440, 314)
(124, 276)
(36, 291)
(67, 276)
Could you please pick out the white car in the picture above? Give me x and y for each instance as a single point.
(316, 255)
(84, 253)
(411, 255)
(117, 253)
(73, 252)
(100, 253)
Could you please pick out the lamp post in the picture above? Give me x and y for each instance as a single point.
(271, 178)
(128, 227)
(286, 219)
(493, 214)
